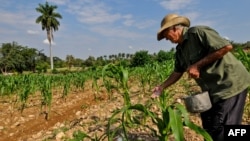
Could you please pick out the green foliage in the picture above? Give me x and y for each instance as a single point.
(28, 89)
(171, 121)
(243, 57)
(90, 61)
(46, 92)
(117, 75)
(163, 56)
(42, 67)
(15, 57)
(140, 58)
(79, 136)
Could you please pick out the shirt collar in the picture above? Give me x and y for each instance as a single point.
(184, 33)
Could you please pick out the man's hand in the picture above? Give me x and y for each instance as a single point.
(193, 71)
(157, 92)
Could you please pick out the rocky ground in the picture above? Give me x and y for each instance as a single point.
(80, 111)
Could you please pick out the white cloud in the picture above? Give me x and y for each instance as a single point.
(145, 24)
(198, 19)
(32, 32)
(128, 20)
(46, 41)
(116, 32)
(93, 12)
(175, 4)
(11, 18)
(100, 18)
(59, 2)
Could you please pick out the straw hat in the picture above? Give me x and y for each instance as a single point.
(170, 20)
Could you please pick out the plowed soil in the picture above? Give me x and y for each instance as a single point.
(86, 111)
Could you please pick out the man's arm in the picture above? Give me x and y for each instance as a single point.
(194, 70)
(174, 77)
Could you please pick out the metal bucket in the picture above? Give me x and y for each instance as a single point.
(198, 103)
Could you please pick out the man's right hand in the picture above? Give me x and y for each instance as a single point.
(156, 92)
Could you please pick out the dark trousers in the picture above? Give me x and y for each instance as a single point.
(224, 112)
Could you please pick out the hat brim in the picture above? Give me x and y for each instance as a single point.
(178, 20)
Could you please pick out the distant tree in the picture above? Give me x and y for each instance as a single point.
(29, 56)
(49, 21)
(90, 61)
(70, 61)
(7, 62)
(119, 55)
(59, 63)
(248, 43)
(105, 57)
(164, 56)
(140, 58)
(15, 57)
(78, 62)
(100, 61)
(127, 55)
(123, 55)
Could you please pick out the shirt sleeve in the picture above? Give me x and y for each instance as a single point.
(211, 39)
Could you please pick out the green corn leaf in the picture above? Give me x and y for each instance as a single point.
(183, 111)
(124, 77)
(191, 125)
(198, 130)
(176, 124)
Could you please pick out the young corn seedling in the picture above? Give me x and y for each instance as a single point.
(28, 87)
(46, 92)
(120, 77)
(169, 123)
(66, 86)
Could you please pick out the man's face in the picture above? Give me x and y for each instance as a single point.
(171, 34)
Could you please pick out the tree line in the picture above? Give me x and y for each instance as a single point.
(18, 58)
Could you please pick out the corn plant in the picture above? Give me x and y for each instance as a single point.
(171, 121)
(107, 78)
(243, 57)
(79, 80)
(81, 136)
(66, 86)
(142, 75)
(27, 89)
(120, 77)
(95, 77)
(46, 92)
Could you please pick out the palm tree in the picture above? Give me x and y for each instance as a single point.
(48, 20)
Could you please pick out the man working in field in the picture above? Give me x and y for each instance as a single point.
(206, 57)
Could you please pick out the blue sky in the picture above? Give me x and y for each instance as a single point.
(104, 27)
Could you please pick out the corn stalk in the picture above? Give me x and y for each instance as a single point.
(46, 92)
(171, 121)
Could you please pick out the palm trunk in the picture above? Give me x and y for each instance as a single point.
(50, 39)
(51, 57)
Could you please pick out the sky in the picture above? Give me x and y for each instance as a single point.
(108, 27)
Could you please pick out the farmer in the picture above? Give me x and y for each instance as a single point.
(206, 57)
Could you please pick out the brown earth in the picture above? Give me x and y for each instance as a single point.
(80, 111)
